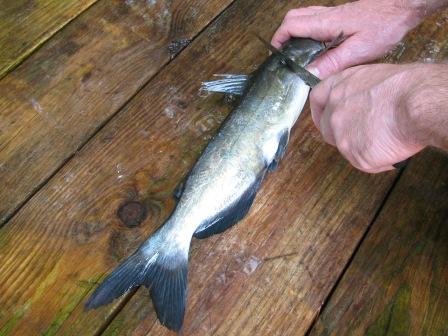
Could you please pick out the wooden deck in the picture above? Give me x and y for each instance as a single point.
(100, 119)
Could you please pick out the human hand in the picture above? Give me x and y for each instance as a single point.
(372, 28)
(365, 111)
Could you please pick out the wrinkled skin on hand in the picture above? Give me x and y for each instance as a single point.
(372, 28)
(364, 112)
(376, 115)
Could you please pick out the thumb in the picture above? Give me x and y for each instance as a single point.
(337, 59)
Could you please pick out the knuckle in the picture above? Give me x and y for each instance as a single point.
(335, 121)
(325, 131)
(314, 109)
(335, 95)
(317, 7)
(328, 138)
(347, 105)
(333, 60)
(291, 13)
(332, 96)
(287, 22)
(326, 23)
(344, 145)
(363, 164)
(364, 167)
(313, 97)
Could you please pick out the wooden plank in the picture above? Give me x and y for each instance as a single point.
(26, 25)
(398, 282)
(69, 235)
(271, 274)
(41, 297)
(63, 93)
(53, 252)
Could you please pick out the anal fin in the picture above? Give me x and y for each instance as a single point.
(230, 216)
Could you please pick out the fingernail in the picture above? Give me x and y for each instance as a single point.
(313, 70)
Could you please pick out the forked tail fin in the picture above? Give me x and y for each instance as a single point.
(162, 269)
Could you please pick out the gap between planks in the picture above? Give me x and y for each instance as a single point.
(107, 120)
(355, 251)
(22, 58)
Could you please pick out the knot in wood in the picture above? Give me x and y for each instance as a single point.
(132, 213)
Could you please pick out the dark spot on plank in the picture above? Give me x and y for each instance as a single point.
(29, 5)
(181, 103)
(70, 48)
(121, 244)
(108, 136)
(176, 46)
(132, 214)
(86, 76)
(87, 232)
(121, 9)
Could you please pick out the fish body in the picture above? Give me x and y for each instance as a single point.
(222, 185)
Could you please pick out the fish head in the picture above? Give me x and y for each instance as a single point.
(303, 50)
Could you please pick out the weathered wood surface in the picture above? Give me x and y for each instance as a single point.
(397, 283)
(25, 25)
(233, 289)
(62, 94)
(68, 235)
(269, 275)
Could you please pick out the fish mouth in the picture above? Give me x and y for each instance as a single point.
(303, 50)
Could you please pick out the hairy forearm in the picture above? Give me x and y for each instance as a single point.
(422, 7)
(427, 112)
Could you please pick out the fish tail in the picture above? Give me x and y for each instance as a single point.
(161, 266)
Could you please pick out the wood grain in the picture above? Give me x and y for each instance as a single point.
(26, 25)
(62, 94)
(256, 280)
(268, 275)
(54, 251)
(397, 283)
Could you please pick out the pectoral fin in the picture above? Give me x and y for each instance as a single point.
(177, 193)
(228, 84)
(282, 144)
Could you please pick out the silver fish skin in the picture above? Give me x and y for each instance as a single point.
(222, 185)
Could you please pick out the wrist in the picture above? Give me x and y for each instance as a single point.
(419, 9)
(413, 11)
(425, 115)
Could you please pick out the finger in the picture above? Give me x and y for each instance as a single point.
(319, 98)
(377, 170)
(358, 166)
(317, 108)
(291, 17)
(314, 26)
(347, 154)
(304, 11)
(348, 54)
(361, 164)
(325, 127)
